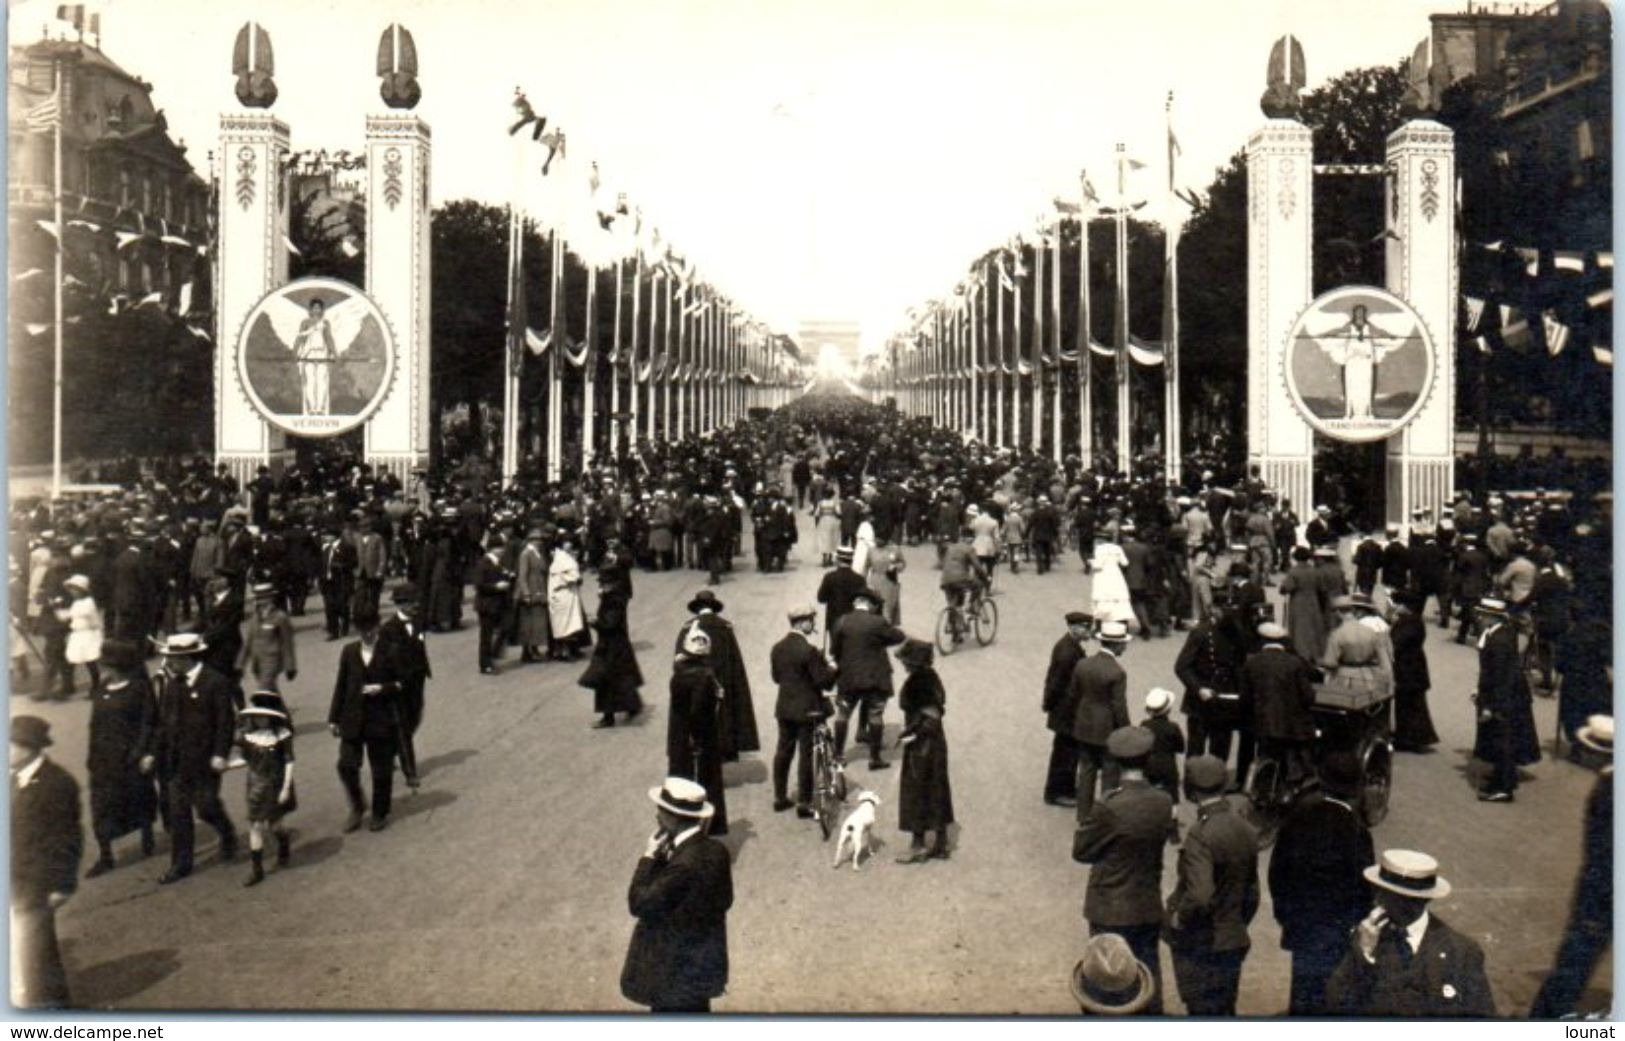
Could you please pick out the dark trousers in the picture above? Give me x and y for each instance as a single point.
(1312, 965)
(38, 978)
(1212, 739)
(202, 796)
(699, 1007)
(795, 742)
(381, 753)
(1143, 941)
(1092, 761)
(1062, 779)
(1043, 555)
(1583, 946)
(491, 640)
(1208, 980)
(368, 593)
(1140, 600)
(1503, 768)
(1469, 621)
(336, 597)
(1297, 758)
(871, 708)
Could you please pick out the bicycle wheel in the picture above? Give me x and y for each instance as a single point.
(945, 631)
(987, 622)
(1376, 779)
(823, 788)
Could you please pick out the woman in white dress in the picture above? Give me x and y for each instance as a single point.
(564, 611)
(864, 541)
(827, 525)
(1109, 588)
(84, 620)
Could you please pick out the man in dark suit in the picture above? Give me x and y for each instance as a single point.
(1099, 689)
(837, 590)
(1396, 561)
(1317, 881)
(134, 600)
(1318, 532)
(403, 640)
(372, 558)
(195, 731)
(1137, 577)
(46, 844)
(1123, 838)
(1044, 529)
(221, 626)
(680, 895)
(1209, 666)
(364, 716)
(803, 675)
(1215, 898)
(864, 673)
(1506, 725)
(336, 578)
(1403, 962)
(1061, 783)
(1277, 684)
(491, 586)
(1470, 575)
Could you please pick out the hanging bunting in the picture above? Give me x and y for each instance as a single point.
(1601, 298)
(1475, 311)
(538, 344)
(1603, 353)
(1101, 349)
(1569, 260)
(1557, 334)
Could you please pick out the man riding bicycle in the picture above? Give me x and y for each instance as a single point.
(962, 570)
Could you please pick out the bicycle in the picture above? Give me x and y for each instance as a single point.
(979, 615)
(829, 778)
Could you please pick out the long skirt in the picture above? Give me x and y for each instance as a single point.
(1413, 724)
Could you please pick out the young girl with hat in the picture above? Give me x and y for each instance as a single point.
(927, 802)
(265, 735)
(84, 620)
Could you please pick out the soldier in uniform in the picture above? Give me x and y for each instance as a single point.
(1060, 709)
(1123, 839)
(1215, 898)
(268, 652)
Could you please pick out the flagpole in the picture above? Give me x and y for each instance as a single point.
(1055, 340)
(1086, 419)
(1015, 352)
(1125, 456)
(1038, 348)
(682, 335)
(555, 395)
(1171, 453)
(589, 367)
(56, 383)
(978, 338)
(632, 394)
(669, 366)
(657, 282)
(614, 425)
(510, 376)
(998, 344)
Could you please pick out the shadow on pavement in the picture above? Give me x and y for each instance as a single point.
(445, 760)
(310, 726)
(740, 831)
(307, 854)
(122, 978)
(423, 802)
(749, 771)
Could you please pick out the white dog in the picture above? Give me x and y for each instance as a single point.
(856, 828)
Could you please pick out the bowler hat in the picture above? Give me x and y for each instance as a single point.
(705, 600)
(30, 732)
(405, 593)
(1108, 980)
(121, 654)
(916, 653)
(1409, 873)
(1129, 743)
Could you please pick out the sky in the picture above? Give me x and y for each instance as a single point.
(838, 159)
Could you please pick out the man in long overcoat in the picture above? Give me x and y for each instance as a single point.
(737, 726)
(680, 894)
(1099, 689)
(46, 844)
(1061, 781)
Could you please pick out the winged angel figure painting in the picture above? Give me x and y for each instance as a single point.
(315, 352)
(1359, 368)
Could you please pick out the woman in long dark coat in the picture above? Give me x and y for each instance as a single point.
(1585, 657)
(1413, 724)
(123, 727)
(613, 674)
(927, 802)
(692, 748)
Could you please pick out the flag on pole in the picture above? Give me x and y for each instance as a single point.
(1557, 334)
(1530, 258)
(46, 116)
(1569, 260)
(1605, 260)
(1483, 345)
(74, 14)
(1475, 312)
(184, 307)
(1601, 298)
(1603, 353)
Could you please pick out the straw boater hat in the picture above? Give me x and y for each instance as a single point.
(1113, 631)
(264, 591)
(176, 645)
(1159, 701)
(1408, 873)
(1108, 980)
(79, 582)
(1492, 605)
(800, 611)
(682, 797)
(1272, 632)
(1597, 734)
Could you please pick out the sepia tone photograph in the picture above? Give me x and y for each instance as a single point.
(503, 498)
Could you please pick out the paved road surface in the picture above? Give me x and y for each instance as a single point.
(502, 884)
